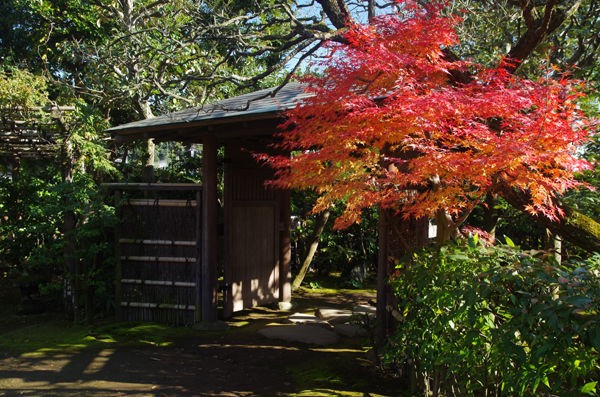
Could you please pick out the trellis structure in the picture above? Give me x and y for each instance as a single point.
(31, 133)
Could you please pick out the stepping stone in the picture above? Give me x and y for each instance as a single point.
(334, 316)
(365, 309)
(304, 318)
(303, 333)
(350, 330)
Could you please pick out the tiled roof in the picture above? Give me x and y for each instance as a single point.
(256, 105)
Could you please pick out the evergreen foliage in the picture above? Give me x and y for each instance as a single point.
(496, 320)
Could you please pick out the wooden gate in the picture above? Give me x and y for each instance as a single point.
(158, 253)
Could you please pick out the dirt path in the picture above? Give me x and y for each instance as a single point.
(236, 362)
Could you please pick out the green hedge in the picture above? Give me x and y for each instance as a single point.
(481, 320)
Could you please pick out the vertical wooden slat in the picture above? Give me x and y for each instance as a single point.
(209, 229)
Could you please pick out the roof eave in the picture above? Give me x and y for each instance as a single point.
(127, 134)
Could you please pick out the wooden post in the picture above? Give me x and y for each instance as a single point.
(199, 250)
(209, 229)
(382, 274)
(285, 247)
(118, 264)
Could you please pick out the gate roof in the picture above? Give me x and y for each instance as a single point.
(253, 114)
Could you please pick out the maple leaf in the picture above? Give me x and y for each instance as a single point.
(386, 120)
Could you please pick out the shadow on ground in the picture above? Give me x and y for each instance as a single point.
(235, 362)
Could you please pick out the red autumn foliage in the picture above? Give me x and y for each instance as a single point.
(388, 126)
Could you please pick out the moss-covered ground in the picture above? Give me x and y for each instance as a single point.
(44, 355)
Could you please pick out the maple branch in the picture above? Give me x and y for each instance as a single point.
(537, 29)
(573, 226)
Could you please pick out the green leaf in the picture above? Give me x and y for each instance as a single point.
(509, 242)
(546, 382)
(589, 388)
(579, 300)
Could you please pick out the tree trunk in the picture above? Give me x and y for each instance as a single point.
(490, 215)
(553, 244)
(146, 111)
(148, 172)
(444, 227)
(320, 223)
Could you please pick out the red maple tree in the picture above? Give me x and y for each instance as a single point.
(389, 125)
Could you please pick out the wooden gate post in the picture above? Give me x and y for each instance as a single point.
(209, 228)
(118, 264)
(198, 264)
(285, 248)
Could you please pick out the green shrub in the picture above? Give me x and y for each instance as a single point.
(479, 320)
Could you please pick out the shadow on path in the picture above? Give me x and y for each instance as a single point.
(236, 362)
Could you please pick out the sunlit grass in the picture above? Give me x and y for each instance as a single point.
(322, 392)
(336, 291)
(50, 338)
(59, 337)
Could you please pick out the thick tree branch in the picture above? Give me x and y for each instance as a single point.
(538, 29)
(337, 12)
(573, 226)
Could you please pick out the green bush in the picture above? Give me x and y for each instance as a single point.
(477, 320)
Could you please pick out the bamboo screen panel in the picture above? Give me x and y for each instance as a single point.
(158, 249)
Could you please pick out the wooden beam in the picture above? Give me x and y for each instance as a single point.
(166, 259)
(152, 186)
(209, 229)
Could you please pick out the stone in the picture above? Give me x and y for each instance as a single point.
(304, 333)
(284, 306)
(304, 318)
(364, 309)
(334, 316)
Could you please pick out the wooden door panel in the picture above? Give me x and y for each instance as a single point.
(252, 256)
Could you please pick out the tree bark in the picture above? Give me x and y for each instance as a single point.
(490, 215)
(320, 223)
(538, 29)
(553, 244)
(145, 110)
(444, 227)
(337, 12)
(148, 172)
